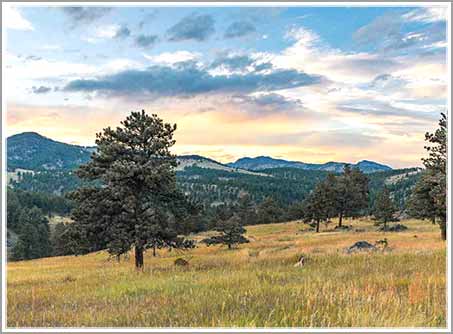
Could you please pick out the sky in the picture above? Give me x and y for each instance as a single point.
(312, 84)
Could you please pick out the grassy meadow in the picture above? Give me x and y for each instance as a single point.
(254, 285)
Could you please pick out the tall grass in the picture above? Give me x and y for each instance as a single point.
(255, 285)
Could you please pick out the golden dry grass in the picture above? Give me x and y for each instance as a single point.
(255, 285)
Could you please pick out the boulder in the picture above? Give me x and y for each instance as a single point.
(361, 246)
(181, 262)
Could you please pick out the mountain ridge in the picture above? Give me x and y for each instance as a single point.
(33, 151)
(266, 162)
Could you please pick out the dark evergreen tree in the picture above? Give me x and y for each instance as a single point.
(230, 233)
(319, 206)
(138, 202)
(384, 209)
(246, 211)
(269, 211)
(351, 192)
(428, 199)
(33, 234)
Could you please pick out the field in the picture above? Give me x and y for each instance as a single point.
(255, 285)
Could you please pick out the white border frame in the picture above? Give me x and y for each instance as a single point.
(5, 329)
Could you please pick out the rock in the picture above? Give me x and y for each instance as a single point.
(181, 262)
(361, 246)
(343, 228)
(394, 228)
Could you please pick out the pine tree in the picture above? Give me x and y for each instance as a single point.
(384, 209)
(351, 192)
(138, 204)
(246, 210)
(428, 200)
(319, 206)
(33, 233)
(230, 233)
(269, 211)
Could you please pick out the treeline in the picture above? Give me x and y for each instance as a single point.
(28, 230)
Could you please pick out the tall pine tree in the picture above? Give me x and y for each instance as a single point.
(138, 203)
(428, 200)
(384, 208)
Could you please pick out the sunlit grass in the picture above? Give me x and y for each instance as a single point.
(255, 285)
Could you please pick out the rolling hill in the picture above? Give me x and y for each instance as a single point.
(32, 151)
(263, 162)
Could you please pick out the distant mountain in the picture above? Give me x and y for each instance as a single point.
(32, 151)
(263, 162)
(185, 161)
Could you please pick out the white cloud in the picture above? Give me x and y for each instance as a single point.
(107, 31)
(14, 19)
(169, 58)
(427, 14)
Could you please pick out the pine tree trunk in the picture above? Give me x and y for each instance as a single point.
(138, 257)
(154, 251)
(229, 246)
(340, 219)
(443, 230)
(317, 226)
(433, 220)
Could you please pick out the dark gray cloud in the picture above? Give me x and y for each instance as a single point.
(187, 79)
(145, 41)
(193, 27)
(272, 101)
(239, 29)
(40, 89)
(234, 62)
(85, 14)
(123, 32)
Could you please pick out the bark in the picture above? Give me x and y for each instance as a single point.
(154, 251)
(443, 230)
(229, 246)
(138, 257)
(340, 219)
(317, 226)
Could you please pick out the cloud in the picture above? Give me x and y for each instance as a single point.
(232, 62)
(239, 29)
(193, 27)
(107, 31)
(379, 108)
(396, 32)
(310, 54)
(40, 89)
(188, 79)
(122, 32)
(383, 27)
(85, 15)
(14, 19)
(33, 58)
(170, 58)
(427, 14)
(147, 18)
(269, 102)
(145, 41)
